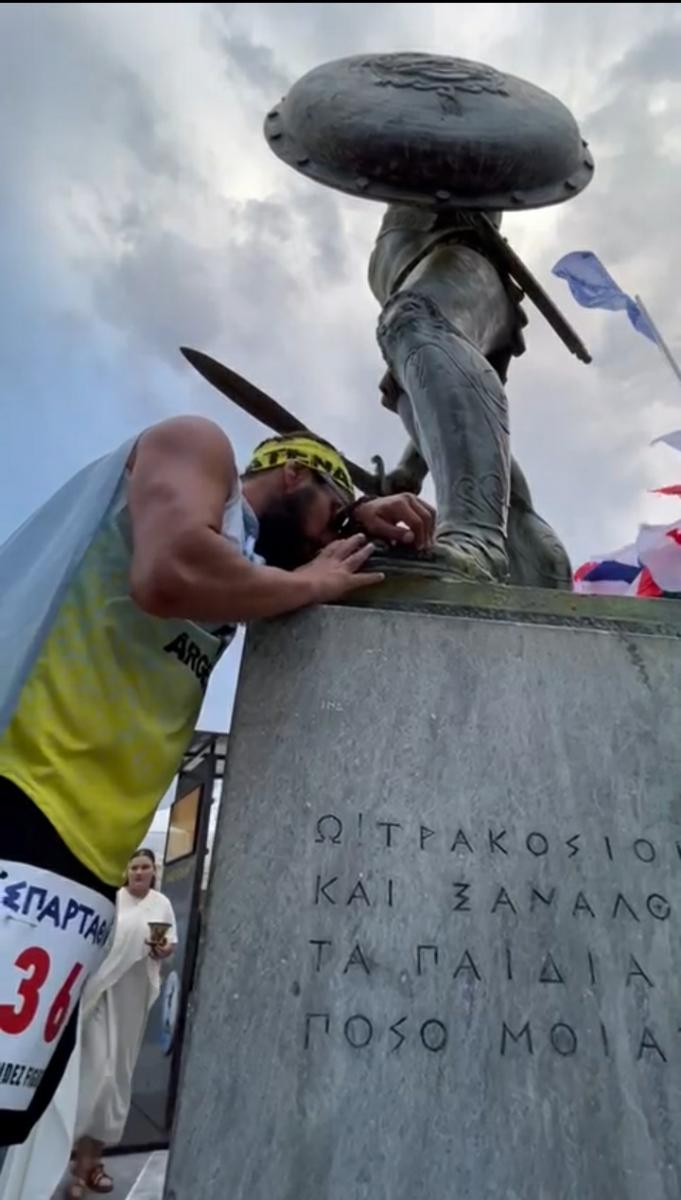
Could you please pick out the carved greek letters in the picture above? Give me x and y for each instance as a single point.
(503, 900)
(320, 947)
(357, 959)
(649, 1043)
(549, 972)
(358, 1031)
(434, 1035)
(563, 1039)
(309, 1018)
(658, 907)
(395, 1028)
(329, 828)
(508, 1034)
(388, 826)
(461, 900)
(537, 897)
(495, 841)
(537, 844)
(582, 905)
(421, 952)
(321, 890)
(461, 840)
(467, 964)
(550, 927)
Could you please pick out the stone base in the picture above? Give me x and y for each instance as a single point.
(441, 953)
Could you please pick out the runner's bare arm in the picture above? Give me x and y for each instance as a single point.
(181, 474)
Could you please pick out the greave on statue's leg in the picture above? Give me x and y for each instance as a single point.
(455, 409)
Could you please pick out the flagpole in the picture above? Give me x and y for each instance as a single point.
(659, 339)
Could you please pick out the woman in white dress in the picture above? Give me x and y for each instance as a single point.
(115, 1009)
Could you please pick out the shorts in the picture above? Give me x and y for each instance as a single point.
(28, 837)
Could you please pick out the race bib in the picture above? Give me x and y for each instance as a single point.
(52, 936)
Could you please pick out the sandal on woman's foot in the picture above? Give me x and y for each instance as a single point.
(75, 1190)
(98, 1180)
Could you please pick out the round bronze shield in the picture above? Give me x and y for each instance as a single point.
(426, 129)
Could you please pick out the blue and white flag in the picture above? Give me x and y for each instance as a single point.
(593, 287)
(672, 439)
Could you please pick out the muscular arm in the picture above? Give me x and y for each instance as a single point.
(182, 473)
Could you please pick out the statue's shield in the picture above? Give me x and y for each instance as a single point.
(427, 129)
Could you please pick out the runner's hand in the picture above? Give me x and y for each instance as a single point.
(403, 518)
(333, 572)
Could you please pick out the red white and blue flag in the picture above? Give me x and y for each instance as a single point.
(650, 567)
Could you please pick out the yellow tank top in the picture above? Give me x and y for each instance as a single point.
(110, 704)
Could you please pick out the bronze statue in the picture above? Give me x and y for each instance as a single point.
(449, 144)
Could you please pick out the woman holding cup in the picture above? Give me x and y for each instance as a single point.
(115, 1009)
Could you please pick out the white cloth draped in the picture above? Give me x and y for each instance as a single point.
(116, 1005)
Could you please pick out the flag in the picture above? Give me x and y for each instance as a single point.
(593, 287)
(609, 574)
(659, 549)
(673, 489)
(646, 587)
(672, 439)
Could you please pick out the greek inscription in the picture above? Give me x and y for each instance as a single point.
(395, 1028)
(334, 829)
(536, 895)
(358, 1031)
(424, 834)
(515, 969)
(495, 841)
(467, 964)
(582, 905)
(563, 1039)
(525, 1032)
(658, 906)
(620, 901)
(320, 944)
(636, 971)
(434, 1035)
(388, 826)
(648, 1042)
(421, 950)
(357, 959)
(503, 899)
(641, 845)
(461, 840)
(359, 893)
(549, 972)
(321, 889)
(309, 1018)
(537, 844)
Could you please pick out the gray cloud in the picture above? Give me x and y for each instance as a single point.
(145, 210)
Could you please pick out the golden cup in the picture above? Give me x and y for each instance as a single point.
(157, 932)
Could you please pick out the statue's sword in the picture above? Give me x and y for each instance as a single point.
(261, 406)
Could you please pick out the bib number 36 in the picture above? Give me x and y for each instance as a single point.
(34, 962)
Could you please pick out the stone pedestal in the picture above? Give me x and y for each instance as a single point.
(442, 951)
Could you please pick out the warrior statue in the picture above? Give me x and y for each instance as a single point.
(449, 144)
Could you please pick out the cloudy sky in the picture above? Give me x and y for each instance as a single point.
(141, 208)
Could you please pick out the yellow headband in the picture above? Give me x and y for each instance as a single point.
(306, 450)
